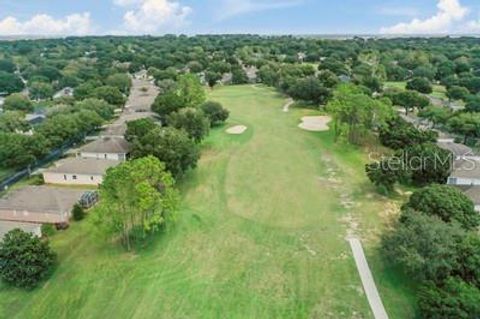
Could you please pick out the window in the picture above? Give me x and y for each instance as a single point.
(91, 178)
(74, 177)
(65, 177)
(105, 156)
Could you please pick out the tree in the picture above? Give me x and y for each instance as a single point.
(188, 92)
(193, 121)
(18, 102)
(110, 94)
(355, 114)
(20, 150)
(436, 115)
(384, 174)
(212, 78)
(421, 85)
(239, 76)
(472, 103)
(77, 212)
(453, 299)
(167, 103)
(101, 107)
(191, 90)
(424, 246)
(457, 92)
(398, 134)
(7, 66)
(13, 121)
(409, 100)
(25, 259)
(466, 124)
(310, 89)
(427, 163)
(137, 198)
(446, 202)
(41, 90)
(10, 83)
(215, 112)
(139, 128)
(171, 146)
(121, 81)
(85, 90)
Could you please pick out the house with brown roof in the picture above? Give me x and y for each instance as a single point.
(106, 148)
(78, 171)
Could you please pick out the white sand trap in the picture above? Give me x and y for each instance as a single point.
(237, 130)
(315, 123)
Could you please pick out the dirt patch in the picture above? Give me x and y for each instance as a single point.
(315, 123)
(237, 130)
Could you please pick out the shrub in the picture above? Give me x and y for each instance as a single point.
(25, 259)
(446, 202)
(48, 230)
(215, 112)
(77, 212)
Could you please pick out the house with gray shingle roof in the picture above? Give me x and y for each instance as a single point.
(39, 204)
(78, 171)
(465, 172)
(107, 148)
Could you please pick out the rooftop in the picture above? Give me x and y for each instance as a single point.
(473, 192)
(5, 227)
(110, 145)
(41, 199)
(457, 149)
(86, 166)
(466, 168)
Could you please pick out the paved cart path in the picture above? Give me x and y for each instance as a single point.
(367, 280)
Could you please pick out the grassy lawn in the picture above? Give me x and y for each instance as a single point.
(439, 91)
(261, 234)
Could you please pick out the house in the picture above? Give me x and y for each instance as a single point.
(65, 92)
(108, 148)
(466, 172)
(39, 204)
(472, 192)
(6, 226)
(34, 118)
(459, 151)
(78, 171)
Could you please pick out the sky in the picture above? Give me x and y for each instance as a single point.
(156, 17)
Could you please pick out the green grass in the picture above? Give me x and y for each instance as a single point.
(439, 91)
(261, 234)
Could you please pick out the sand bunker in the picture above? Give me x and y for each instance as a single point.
(237, 130)
(315, 123)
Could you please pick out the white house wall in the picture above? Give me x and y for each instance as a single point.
(463, 181)
(107, 156)
(72, 179)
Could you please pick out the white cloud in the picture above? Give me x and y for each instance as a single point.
(43, 24)
(153, 16)
(448, 12)
(231, 8)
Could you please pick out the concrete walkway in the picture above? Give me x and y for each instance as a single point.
(367, 280)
